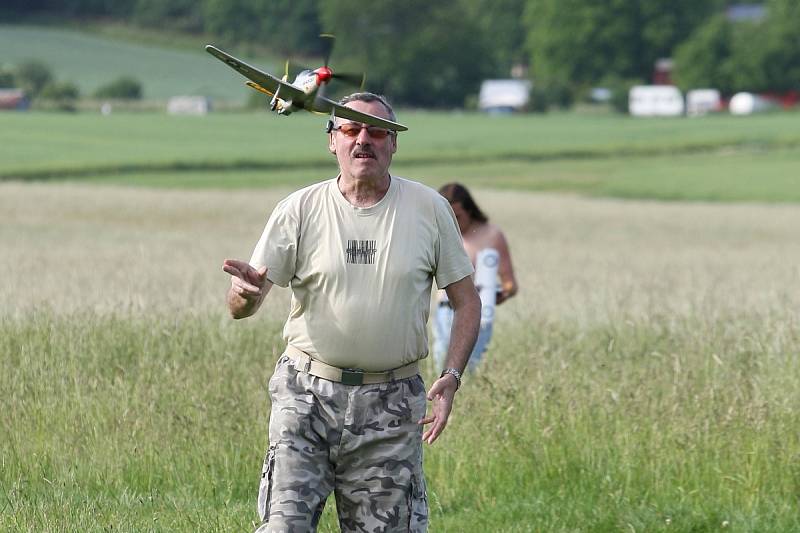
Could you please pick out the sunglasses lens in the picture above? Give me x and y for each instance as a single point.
(377, 133)
(350, 130)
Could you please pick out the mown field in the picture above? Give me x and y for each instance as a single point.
(91, 60)
(645, 378)
(720, 158)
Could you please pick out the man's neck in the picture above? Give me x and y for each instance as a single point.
(364, 192)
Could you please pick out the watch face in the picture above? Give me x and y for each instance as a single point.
(455, 373)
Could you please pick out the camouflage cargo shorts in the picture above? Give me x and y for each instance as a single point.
(361, 442)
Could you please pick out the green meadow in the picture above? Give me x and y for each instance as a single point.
(719, 158)
(91, 60)
(645, 378)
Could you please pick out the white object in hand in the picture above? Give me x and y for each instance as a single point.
(486, 281)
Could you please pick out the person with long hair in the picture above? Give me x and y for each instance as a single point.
(478, 234)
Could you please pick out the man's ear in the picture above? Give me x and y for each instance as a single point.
(329, 131)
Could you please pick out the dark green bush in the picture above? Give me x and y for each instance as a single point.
(123, 88)
(61, 95)
(33, 76)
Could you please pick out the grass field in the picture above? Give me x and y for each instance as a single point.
(720, 158)
(645, 379)
(92, 60)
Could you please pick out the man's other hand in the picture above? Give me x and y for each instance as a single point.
(441, 394)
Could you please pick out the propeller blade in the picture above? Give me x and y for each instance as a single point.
(351, 78)
(327, 46)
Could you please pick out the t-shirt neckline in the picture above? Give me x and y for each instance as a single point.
(380, 205)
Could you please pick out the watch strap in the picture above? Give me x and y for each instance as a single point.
(453, 372)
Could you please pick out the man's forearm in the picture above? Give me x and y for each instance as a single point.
(464, 333)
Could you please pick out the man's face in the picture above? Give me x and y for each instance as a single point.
(362, 156)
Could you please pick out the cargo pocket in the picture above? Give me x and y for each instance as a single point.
(418, 504)
(265, 487)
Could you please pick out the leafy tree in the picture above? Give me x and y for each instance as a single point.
(62, 90)
(123, 88)
(703, 59)
(290, 27)
(90, 7)
(580, 42)
(744, 56)
(416, 51)
(745, 68)
(499, 24)
(182, 15)
(666, 23)
(6, 78)
(232, 20)
(781, 46)
(577, 42)
(32, 76)
(61, 95)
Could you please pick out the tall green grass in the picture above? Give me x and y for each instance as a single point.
(158, 423)
(110, 422)
(644, 379)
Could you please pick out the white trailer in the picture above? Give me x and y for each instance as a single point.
(655, 101)
(703, 101)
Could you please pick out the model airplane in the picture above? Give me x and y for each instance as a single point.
(305, 92)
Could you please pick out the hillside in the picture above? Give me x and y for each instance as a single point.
(91, 61)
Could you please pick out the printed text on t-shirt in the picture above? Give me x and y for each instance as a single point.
(360, 252)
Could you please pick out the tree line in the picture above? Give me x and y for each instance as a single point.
(435, 54)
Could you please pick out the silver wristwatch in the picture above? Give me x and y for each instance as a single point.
(455, 373)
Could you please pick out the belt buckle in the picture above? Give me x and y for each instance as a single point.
(352, 376)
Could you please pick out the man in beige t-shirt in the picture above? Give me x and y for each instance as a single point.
(360, 252)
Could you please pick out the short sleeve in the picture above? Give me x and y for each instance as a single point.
(452, 262)
(277, 247)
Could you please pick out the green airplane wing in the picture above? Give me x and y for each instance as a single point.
(266, 81)
(324, 105)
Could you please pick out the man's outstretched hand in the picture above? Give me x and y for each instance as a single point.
(246, 281)
(441, 394)
(248, 287)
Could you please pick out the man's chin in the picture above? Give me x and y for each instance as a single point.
(365, 165)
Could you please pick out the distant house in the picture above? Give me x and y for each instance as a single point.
(662, 71)
(14, 99)
(188, 105)
(504, 96)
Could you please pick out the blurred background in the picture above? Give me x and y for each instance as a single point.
(552, 54)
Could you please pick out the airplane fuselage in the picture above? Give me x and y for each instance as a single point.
(308, 81)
